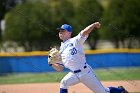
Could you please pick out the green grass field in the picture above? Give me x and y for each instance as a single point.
(102, 74)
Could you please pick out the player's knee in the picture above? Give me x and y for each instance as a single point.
(63, 84)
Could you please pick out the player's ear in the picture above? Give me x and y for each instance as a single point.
(71, 34)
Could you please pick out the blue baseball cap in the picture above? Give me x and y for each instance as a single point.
(65, 27)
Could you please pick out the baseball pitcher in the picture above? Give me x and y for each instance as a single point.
(71, 56)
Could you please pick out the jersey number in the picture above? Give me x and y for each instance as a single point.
(73, 51)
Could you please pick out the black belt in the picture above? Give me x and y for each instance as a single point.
(77, 71)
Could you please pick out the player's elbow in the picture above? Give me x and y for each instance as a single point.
(85, 33)
(59, 69)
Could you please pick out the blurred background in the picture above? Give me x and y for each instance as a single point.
(28, 30)
(30, 25)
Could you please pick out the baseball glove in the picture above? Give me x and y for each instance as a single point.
(54, 56)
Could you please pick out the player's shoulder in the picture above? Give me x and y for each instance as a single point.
(75, 37)
(72, 40)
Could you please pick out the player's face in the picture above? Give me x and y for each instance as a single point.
(64, 35)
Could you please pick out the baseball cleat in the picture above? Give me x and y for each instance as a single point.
(124, 90)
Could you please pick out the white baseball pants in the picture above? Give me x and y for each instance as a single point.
(87, 77)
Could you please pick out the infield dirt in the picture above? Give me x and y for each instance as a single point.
(131, 86)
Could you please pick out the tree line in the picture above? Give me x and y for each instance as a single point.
(33, 24)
